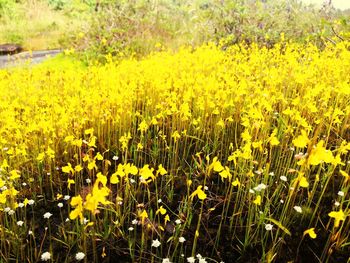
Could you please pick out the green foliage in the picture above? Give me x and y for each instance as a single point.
(137, 26)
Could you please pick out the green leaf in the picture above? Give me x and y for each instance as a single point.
(277, 223)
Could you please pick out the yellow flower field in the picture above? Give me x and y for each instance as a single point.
(206, 154)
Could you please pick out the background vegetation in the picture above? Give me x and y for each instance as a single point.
(139, 27)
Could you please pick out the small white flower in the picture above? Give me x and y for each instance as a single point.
(88, 180)
(85, 142)
(182, 239)
(131, 228)
(283, 178)
(7, 209)
(79, 256)
(155, 243)
(115, 158)
(341, 193)
(251, 191)
(30, 232)
(268, 227)
(134, 222)
(85, 221)
(45, 256)
(260, 187)
(281, 201)
(191, 260)
(20, 223)
(258, 172)
(202, 260)
(47, 215)
(159, 201)
(5, 148)
(20, 205)
(119, 202)
(66, 197)
(298, 209)
(178, 221)
(4, 188)
(272, 174)
(67, 219)
(336, 203)
(166, 260)
(198, 256)
(60, 205)
(182, 255)
(31, 202)
(132, 181)
(206, 188)
(48, 174)
(11, 212)
(24, 184)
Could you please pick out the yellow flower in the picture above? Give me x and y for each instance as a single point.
(143, 215)
(302, 140)
(319, 154)
(257, 200)
(236, 182)
(225, 173)
(273, 139)
(161, 210)
(14, 175)
(303, 182)
(77, 202)
(161, 170)
(338, 216)
(78, 168)
(199, 193)
(166, 219)
(147, 173)
(70, 182)
(68, 169)
(114, 178)
(310, 232)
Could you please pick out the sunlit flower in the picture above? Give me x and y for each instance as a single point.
(257, 200)
(20, 223)
(45, 256)
(338, 216)
(298, 209)
(260, 187)
(191, 260)
(166, 260)
(155, 243)
(79, 256)
(47, 215)
(341, 193)
(182, 239)
(268, 227)
(310, 232)
(283, 178)
(199, 192)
